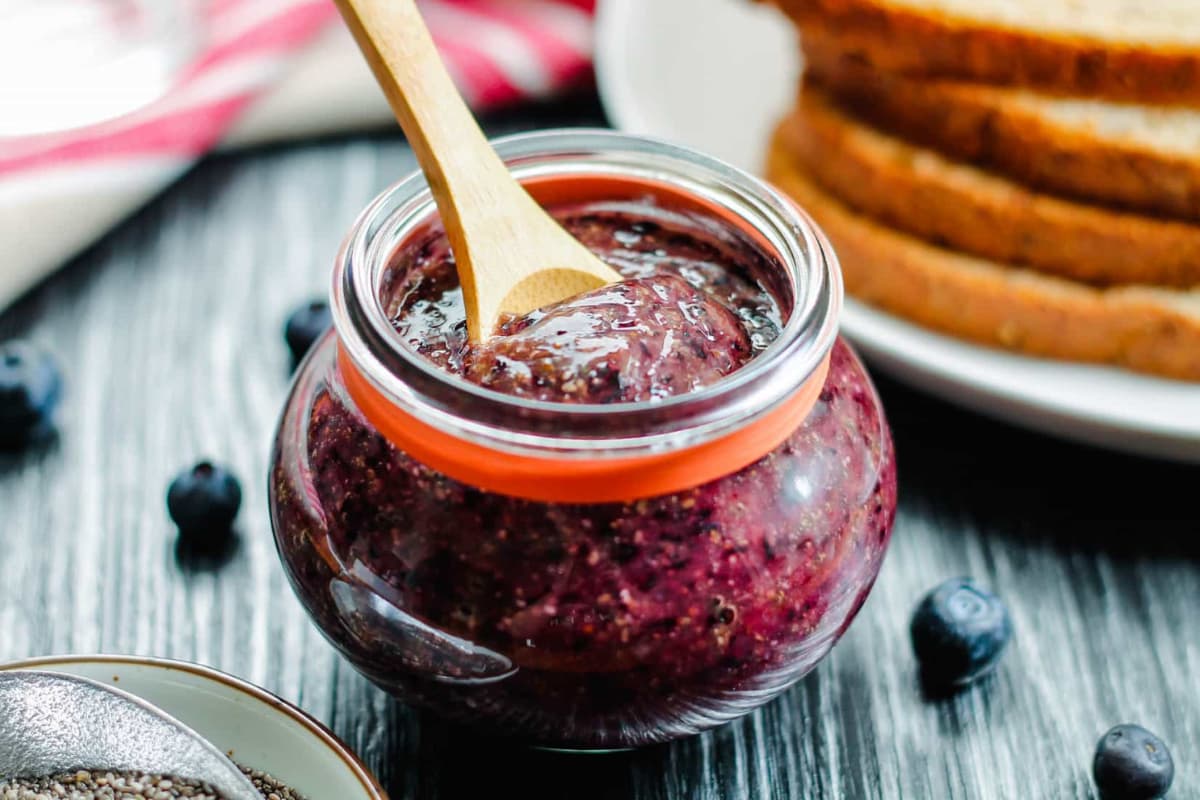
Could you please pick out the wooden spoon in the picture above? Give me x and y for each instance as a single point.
(511, 255)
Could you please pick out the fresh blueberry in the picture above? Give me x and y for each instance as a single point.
(1132, 764)
(305, 326)
(204, 500)
(30, 388)
(959, 632)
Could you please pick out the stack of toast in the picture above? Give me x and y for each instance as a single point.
(1022, 173)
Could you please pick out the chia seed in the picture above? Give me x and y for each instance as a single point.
(97, 785)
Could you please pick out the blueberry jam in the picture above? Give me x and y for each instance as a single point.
(600, 625)
(682, 320)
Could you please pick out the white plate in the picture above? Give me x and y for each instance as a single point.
(256, 728)
(716, 75)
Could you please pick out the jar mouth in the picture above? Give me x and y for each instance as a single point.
(451, 403)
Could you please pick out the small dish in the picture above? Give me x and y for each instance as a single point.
(257, 729)
(716, 76)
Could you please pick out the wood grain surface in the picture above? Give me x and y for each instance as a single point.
(169, 333)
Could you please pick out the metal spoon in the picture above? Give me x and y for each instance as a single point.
(52, 723)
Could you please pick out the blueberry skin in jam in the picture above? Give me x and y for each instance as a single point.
(588, 626)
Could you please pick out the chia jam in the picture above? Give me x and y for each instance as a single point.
(594, 625)
(691, 311)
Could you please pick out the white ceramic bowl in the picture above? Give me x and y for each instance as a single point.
(254, 727)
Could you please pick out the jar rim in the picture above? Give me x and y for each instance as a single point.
(451, 403)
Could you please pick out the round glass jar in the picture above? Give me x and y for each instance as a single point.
(567, 611)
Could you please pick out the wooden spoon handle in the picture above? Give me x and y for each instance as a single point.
(449, 145)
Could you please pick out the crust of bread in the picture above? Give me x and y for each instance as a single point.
(1150, 330)
(932, 43)
(991, 126)
(921, 192)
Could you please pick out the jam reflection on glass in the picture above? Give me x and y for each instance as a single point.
(603, 625)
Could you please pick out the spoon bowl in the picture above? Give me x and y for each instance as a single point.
(52, 723)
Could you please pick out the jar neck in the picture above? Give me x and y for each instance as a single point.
(419, 390)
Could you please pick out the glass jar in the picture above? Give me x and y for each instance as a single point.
(585, 576)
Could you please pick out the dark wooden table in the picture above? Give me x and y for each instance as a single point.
(169, 336)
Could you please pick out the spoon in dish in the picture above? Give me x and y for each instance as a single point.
(511, 255)
(52, 723)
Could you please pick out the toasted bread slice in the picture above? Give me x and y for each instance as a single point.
(1145, 329)
(921, 192)
(1122, 49)
(1144, 158)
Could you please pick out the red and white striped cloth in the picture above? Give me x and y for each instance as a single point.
(59, 192)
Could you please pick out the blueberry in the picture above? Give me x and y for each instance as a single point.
(30, 388)
(305, 326)
(959, 632)
(1132, 764)
(204, 500)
